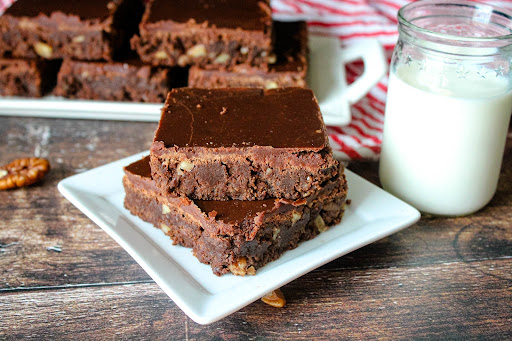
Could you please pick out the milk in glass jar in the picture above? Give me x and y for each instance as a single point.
(448, 106)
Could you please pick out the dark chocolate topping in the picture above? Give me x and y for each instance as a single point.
(246, 14)
(280, 118)
(235, 211)
(140, 167)
(88, 9)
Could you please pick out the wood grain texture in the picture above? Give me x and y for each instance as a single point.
(443, 278)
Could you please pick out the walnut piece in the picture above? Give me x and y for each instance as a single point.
(239, 268)
(43, 50)
(244, 50)
(275, 299)
(185, 166)
(23, 172)
(221, 58)
(296, 217)
(161, 55)
(320, 223)
(78, 39)
(271, 85)
(276, 233)
(165, 228)
(197, 51)
(251, 270)
(183, 60)
(166, 209)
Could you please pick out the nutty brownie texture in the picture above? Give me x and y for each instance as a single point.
(85, 30)
(234, 236)
(244, 144)
(287, 67)
(208, 33)
(117, 81)
(29, 78)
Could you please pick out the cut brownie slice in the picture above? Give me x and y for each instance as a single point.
(245, 144)
(213, 33)
(127, 81)
(86, 30)
(290, 47)
(30, 78)
(234, 236)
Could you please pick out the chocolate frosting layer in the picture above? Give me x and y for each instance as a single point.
(235, 211)
(89, 9)
(279, 118)
(140, 168)
(246, 14)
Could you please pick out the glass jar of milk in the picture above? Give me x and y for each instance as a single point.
(448, 106)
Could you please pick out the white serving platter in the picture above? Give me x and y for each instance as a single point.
(204, 297)
(326, 77)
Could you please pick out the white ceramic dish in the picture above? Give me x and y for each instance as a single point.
(206, 298)
(326, 77)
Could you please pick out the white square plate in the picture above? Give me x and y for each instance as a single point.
(206, 298)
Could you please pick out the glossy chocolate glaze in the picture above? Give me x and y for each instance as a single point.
(280, 118)
(140, 168)
(246, 14)
(235, 211)
(88, 9)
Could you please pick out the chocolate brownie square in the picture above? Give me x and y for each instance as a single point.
(117, 81)
(30, 78)
(234, 236)
(244, 144)
(85, 30)
(217, 34)
(287, 67)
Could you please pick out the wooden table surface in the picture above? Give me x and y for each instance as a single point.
(442, 278)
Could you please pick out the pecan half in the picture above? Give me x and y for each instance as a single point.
(23, 172)
(275, 299)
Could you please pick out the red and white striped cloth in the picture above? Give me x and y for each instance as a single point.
(350, 21)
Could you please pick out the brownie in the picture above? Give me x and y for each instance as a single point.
(244, 144)
(30, 78)
(85, 30)
(208, 33)
(234, 236)
(117, 81)
(288, 68)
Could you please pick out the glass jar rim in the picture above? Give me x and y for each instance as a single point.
(446, 36)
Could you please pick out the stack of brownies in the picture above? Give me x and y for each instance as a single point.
(133, 50)
(238, 175)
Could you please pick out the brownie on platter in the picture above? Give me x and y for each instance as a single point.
(287, 68)
(117, 81)
(234, 236)
(244, 144)
(30, 78)
(208, 33)
(85, 30)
